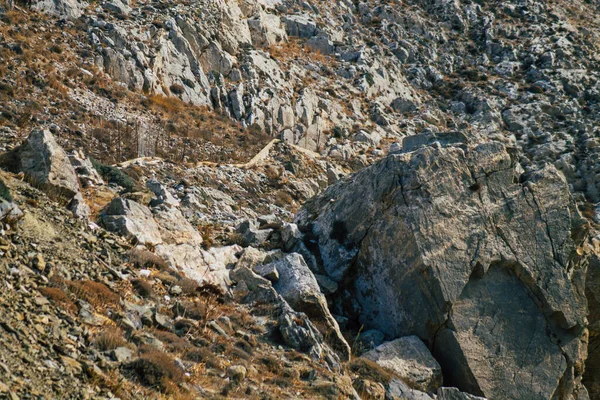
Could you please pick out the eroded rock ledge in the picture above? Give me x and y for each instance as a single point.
(457, 246)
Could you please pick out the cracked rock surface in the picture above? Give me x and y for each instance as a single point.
(454, 245)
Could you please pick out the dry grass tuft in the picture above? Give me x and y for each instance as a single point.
(142, 287)
(205, 356)
(59, 298)
(143, 258)
(158, 370)
(370, 370)
(110, 339)
(95, 293)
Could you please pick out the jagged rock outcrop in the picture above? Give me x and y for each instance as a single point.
(298, 286)
(295, 327)
(457, 246)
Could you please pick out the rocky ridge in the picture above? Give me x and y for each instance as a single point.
(217, 243)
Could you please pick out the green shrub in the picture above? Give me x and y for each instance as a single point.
(113, 175)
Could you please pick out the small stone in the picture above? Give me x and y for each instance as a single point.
(39, 263)
(41, 301)
(72, 365)
(121, 354)
(175, 290)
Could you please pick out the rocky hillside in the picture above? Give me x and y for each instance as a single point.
(299, 199)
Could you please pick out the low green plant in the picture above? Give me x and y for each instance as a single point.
(114, 175)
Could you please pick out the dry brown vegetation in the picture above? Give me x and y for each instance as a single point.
(143, 258)
(294, 49)
(95, 293)
(59, 297)
(110, 339)
(158, 370)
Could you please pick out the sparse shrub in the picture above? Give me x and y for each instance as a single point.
(370, 370)
(173, 342)
(237, 238)
(168, 277)
(95, 293)
(143, 258)
(272, 363)
(188, 286)
(245, 346)
(114, 175)
(157, 369)
(109, 339)
(56, 49)
(142, 287)
(283, 198)
(203, 355)
(168, 104)
(59, 298)
(206, 231)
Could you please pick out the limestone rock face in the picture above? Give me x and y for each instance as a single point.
(47, 164)
(410, 359)
(454, 245)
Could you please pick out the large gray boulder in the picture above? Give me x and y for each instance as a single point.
(133, 220)
(47, 165)
(446, 244)
(410, 359)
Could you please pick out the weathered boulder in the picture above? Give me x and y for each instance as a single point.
(200, 265)
(131, 219)
(410, 359)
(298, 286)
(297, 330)
(47, 165)
(453, 245)
(300, 25)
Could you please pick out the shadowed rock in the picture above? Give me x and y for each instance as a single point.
(489, 279)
